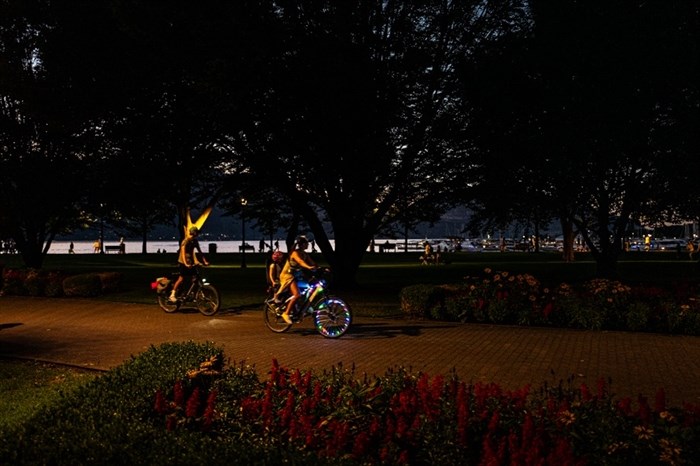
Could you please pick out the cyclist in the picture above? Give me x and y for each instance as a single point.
(189, 257)
(293, 271)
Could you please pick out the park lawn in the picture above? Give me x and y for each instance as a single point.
(27, 386)
(380, 278)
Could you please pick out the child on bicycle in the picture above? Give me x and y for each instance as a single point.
(274, 269)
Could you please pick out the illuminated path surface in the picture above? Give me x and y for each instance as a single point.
(103, 335)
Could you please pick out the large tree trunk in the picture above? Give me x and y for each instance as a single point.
(567, 228)
(605, 252)
(32, 244)
(606, 265)
(351, 242)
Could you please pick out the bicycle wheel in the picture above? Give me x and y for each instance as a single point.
(165, 303)
(332, 318)
(273, 318)
(208, 300)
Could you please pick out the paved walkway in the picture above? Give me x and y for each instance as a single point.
(103, 335)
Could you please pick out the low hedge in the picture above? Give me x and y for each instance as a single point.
(39, 282)
(500, 297)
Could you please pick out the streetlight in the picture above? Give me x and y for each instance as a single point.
(102, 228)
(244, 201)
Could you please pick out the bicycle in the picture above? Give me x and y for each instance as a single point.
(202, 294)
(332, 316)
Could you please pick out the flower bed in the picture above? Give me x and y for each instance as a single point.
(405, 418)
(504, 298)
(157, 410)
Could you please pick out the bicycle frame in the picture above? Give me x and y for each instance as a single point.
(332, 316)
(200, 293)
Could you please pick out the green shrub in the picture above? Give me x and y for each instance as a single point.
(54, 284)
(111, 281)
(500, 311)
(83, 285)
(39, 282)
(608, 299)
(582, 315)
(679, 318)
(503, 298)
(421, 301)
(639, 316)
(110, 420)
(457, 304)
(13, 282)
(35, 282)
(692, 323)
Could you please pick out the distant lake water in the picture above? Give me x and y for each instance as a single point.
(134, 247)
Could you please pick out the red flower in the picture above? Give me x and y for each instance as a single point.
(179, 394)
(660, 401)
(625, 406)
(602, 388)
(193, 404)
(209, 411)
(360, 446)
(585, 393)
(160, 405)
(644, 412)
(548, 308)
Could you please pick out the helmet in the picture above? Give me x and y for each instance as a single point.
(277, 256)
(194, 230)
(301, 239)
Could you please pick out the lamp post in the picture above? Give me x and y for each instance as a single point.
(244, 201)
(102, 228)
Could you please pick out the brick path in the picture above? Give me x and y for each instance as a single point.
(102, 335)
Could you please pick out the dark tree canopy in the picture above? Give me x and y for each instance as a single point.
(576, 115)
(359, 115)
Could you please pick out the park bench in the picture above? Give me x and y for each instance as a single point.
(247, 247)
(387, 247)
(115, 248)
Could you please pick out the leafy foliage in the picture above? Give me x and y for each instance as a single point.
(181, 404)
(502, 297)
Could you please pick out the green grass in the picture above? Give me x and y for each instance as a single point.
(27, 386)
